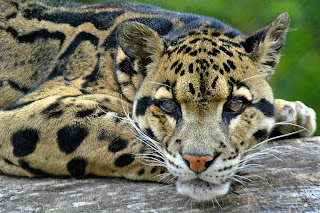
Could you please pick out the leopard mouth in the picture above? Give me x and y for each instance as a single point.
(201, 190)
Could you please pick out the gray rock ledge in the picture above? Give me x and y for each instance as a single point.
(289, 182)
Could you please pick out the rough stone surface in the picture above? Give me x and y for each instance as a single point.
(289, 182)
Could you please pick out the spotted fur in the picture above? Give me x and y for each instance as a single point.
(134, 91)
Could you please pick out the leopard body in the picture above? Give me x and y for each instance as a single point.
(134, 91)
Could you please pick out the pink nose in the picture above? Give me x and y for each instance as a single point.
(197, 163)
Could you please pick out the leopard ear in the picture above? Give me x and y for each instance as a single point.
(142, 44)
(264, 46)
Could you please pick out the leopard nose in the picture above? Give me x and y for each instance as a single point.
(198, 163)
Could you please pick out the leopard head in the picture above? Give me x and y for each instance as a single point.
(204, 96)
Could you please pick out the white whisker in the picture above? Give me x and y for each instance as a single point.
(259, 153)
(239, 181)
(291, 124)
(244, 166)
(215, 199)
(212, 201)
(170, 181)
(270, 139)
(111, 113)
(153, 155)
(188, 202)
(152, 161)
(149, 158)
(155, 145)
(149, 82)
(258, 176)
(242, 177)
(161, 176)
(255, 76)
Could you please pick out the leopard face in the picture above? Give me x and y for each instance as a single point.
(206, 100)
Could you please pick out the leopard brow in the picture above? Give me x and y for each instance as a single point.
(243, 92)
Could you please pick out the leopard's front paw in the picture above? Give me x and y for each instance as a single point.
(295, 117)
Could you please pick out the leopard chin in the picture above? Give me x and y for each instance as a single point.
(201, 190)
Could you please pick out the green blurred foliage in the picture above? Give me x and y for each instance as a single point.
(297, 76)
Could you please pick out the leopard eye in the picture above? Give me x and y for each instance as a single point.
(235, 105)
(168, 105)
